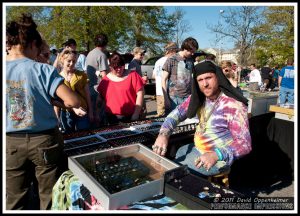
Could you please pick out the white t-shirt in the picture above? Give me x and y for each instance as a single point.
(157, 71)
(255, 76)
(81, 64)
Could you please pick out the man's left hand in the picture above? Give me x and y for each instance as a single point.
(207, 160)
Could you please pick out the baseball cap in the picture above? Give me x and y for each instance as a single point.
(138, 50)
(69, 42)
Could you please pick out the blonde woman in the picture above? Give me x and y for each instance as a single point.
(79, 118)
(229, 73)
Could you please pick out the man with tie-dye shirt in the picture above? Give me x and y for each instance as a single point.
(223, 131)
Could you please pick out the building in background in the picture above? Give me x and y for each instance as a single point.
(228, 55)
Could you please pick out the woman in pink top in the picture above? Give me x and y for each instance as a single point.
(122, 92)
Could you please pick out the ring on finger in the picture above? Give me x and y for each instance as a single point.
(162, 149)
(154, 147)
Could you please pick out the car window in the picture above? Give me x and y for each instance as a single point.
(151, 61)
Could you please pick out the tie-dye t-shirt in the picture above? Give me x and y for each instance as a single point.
(180, 75)
(226, 129)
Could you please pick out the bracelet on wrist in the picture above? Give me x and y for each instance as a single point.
(164, 133)
(219, 154)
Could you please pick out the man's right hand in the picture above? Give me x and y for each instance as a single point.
(160, 145)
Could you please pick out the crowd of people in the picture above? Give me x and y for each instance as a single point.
(78, 92)
(268, 78)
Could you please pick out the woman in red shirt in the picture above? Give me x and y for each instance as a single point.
(123, 92)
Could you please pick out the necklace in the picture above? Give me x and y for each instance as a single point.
(204, 118)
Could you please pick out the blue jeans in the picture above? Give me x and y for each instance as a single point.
(286, 95)
(187, 154)
(71, 122)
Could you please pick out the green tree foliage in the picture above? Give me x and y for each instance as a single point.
(126, 27)
(276, 42)
(37, 12)
(83, 24)
(150, 26)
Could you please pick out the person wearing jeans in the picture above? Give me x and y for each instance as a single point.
(177, 75)
(286, 83)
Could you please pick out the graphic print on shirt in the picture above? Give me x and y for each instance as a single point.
(19, 105)
(289, 73)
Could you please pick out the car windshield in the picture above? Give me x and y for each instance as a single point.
(151, 61)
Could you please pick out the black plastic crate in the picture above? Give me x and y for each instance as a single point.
(133, 123)
(142, 138)
(77, 134)
(107, 129)
(87, 149)
(201, 196)
(83, 141)
(115, 134)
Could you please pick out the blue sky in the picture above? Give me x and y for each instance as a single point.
(199, 17)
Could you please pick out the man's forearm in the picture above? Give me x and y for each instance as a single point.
(279, 80)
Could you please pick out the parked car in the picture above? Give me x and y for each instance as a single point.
(148, 67)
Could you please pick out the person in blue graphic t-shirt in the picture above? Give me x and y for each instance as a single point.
(286, 83)
(33, 140)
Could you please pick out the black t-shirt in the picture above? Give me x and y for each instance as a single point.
(265, 73)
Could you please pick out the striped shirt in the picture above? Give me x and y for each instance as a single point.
(227, 129)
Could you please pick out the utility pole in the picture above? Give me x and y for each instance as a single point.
(220, 48)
